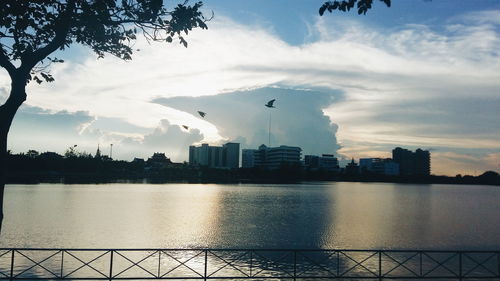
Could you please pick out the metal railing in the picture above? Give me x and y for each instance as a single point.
(238, 264)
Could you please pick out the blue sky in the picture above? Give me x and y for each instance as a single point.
(419, 74)
(289, 18)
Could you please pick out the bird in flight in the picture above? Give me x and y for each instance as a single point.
(270, 103)
(185, 127)
(202, 114)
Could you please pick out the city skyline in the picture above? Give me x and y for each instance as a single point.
(414, 79)
(403, 162)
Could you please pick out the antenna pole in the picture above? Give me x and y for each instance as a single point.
(111, 151)
(269, 128)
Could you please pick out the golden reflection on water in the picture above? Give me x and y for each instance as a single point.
(111, 216)
(370, 216)
(309, 215)
(190, 216)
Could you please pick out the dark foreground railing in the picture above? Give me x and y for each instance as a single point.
(224, 264)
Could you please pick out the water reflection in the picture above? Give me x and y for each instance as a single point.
(319, 215)
(272, 216)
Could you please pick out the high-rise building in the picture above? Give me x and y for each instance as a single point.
(231, 155)
(412, 163)
(422, 162)
(226, 156)
(405, 159)
(271, 157)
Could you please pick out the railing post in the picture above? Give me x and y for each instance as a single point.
(159, 263)
(111, 266)
(421, 264)
(12, 265)
(206, 264)
(379, 265)
(498, 263)
(460, 277)
(338, 263)
(62, 263)
(251, 261)
(294, 265)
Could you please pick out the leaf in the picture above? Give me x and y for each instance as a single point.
(47, 77)
(322, 9)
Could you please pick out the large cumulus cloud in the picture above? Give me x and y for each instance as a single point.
(298, 118)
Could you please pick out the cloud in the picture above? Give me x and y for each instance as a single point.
(297, 120)
(40, 129)
(413, 85)
(171, 139)
(45, 130)
(465, 164)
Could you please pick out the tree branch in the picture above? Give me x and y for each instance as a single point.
(31, 60)
(5, 62)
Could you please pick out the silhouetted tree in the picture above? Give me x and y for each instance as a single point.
(346, 5)
(32, 153)
(30, 31)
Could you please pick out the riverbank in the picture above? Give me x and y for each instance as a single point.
(205, 175)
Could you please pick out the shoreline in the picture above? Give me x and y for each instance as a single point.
(232, 178)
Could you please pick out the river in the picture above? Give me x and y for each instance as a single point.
(331, 215)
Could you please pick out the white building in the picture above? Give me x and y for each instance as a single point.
(326, 162)
(226, 156)
(271, 157)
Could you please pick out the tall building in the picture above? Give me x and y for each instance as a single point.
(226, 156)
(231, 155)
(412, 163)
(271, 157)
(422, 162)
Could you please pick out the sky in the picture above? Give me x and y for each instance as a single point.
(420, 74)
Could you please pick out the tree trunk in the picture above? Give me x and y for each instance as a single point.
(7, 112)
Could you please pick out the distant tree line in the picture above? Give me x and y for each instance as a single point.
(81, 167)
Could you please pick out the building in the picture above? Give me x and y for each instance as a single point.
(271, 157)
(352, 168)
(379, 166)
(422, 162)
(158, 161)
(226, 156)
(231, 155)
(159, 158)
(324, 162)
(248, 158)
(412, 163)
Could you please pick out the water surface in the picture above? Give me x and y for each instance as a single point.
(309, 215)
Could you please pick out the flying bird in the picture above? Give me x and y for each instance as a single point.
(202, 114)
(270, 103)
(185, 127)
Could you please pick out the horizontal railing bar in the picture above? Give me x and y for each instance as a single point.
(258, 278)
(246, 249)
